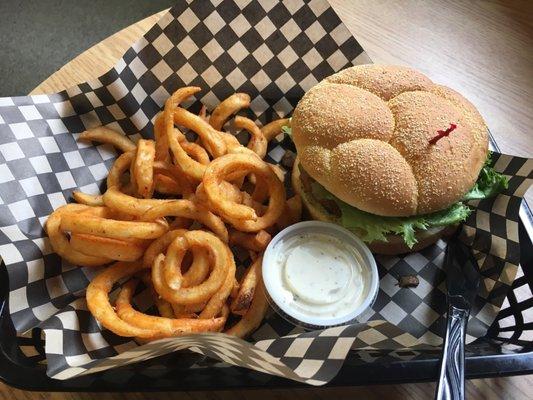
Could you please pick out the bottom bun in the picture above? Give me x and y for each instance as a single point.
(393, 246)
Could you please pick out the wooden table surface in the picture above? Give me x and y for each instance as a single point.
(482, 48)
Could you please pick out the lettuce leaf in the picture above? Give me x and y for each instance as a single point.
(287, 129)
(489, 183)
(374, 227)
(371, 227)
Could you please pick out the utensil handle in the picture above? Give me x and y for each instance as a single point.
(451, 385)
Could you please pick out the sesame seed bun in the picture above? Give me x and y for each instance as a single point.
(364, 134)
(394, 245)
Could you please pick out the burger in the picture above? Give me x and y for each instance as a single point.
(390, 155)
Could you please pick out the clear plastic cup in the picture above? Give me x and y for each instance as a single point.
(273, 285)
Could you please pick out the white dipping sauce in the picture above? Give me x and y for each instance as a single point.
(318, 276)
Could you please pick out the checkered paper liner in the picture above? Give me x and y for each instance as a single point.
(275, 52)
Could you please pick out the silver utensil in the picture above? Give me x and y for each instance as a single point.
(462, 282)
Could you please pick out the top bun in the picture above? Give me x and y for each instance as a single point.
(364, 135)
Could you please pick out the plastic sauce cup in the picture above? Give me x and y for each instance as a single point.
(279, 296)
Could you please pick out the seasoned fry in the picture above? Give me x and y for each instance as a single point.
(82, 223)
(60, 243)
(143, 168)
(116, 200)
(161, 326)
(273, 129)
(163, 307)
(114, 249)
(211, 139)
(230, 192)
(228, 107)
(171, 272)
(241, 303)
(162, 150)
(160, 132)
(240, 216)
(100, 307)
(121, 165)
(255, 314)
(250, 241)
(199, 268)
(217, 302)
(258, 144)
(94, 200)
(188, 209)
(166, 185)
(233, 145)
(191, 167)
(159, 246)
(203, 113)
(106, 135)
(292, 212)
(177, 174)
(196, 151)
(173, 262)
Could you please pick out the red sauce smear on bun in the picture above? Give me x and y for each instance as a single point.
(441, 134)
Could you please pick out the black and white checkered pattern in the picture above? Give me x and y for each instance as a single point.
(275, 52)
(300, 358)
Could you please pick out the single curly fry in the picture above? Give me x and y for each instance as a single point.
(116, 200)
(103, 134)
(93, 225)
(160, 134)
(258, 144)
(241, 303)
(228, 107)
(93, 200)
(161, 326)
(97, 295)
(170, 267)
(273, 129)
(218, 301)
(255, 314)
(243, 217)
(60, 242)
(114, 249)
(120, 166)
(210, 137)
(143, 168)
(191, 210)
